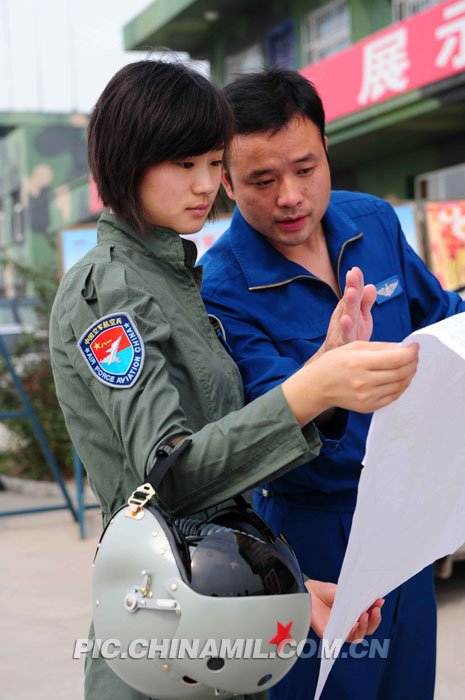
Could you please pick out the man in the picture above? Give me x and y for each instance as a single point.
(273, 281)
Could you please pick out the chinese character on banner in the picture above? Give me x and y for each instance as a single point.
(385, 62)
(453, 34)
(445, 222)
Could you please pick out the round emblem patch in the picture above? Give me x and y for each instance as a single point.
(113, 350)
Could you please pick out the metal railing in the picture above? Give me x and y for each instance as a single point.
(29, 413)
(326, 30)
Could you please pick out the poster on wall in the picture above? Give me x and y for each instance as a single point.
(445, 228)
(210, 233)
(73, 244)
(407, 215)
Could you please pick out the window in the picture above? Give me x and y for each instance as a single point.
(326, 31)
(17, 218)
(246, 61)
(401, 9)
(448, 183)
(281, 46)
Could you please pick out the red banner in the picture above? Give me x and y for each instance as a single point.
(408, 55)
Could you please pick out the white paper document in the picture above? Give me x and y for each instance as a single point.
(411, 497)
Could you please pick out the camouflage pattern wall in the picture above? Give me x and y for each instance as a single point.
(44, 186)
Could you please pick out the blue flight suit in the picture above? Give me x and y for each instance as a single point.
(275, 315)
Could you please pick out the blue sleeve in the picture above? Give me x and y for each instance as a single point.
(261, 365)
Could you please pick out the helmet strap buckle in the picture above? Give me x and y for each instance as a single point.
(139, 498)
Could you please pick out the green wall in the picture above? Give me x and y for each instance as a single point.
(35, 159)
(394, 175)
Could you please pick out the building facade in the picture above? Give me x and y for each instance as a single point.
(392, 77)
(388, 133)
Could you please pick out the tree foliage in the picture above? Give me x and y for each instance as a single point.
(31, 359)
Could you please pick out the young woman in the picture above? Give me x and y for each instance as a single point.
(135, 358)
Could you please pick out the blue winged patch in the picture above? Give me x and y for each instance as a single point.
(388, 289)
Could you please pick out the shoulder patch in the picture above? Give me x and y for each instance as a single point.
(387, 289)
(113, 350)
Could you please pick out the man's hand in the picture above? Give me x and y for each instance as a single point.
(351, 319)
(323, 594)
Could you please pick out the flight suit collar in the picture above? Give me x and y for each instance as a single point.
(162, 243)
(263, 266)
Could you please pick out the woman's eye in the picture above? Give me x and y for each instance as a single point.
(217, 163)
(186, 164)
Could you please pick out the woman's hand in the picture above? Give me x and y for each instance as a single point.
(364, 376)
(360, 376)
(323, 594)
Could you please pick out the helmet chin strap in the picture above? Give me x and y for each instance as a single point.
(167, 453)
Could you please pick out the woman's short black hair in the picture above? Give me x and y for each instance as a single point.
(150, 112)
(267, 101)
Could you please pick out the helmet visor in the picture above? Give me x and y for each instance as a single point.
(231, 564)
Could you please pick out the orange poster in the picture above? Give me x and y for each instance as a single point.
(445, 225)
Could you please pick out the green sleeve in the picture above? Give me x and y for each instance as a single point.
(243, 449)
(228, 456)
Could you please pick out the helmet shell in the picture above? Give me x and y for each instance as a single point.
(139, 559)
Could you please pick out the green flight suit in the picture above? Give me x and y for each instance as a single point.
(188, 384)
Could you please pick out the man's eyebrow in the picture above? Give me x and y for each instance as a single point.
(259, 173)
(307, 157)
(254, 174)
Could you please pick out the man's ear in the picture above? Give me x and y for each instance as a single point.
(325, 141)
(227, 184)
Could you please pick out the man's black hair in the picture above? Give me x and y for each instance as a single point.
(267, 101)
(150, 112)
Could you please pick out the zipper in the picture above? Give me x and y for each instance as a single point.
(349, 240)
(313, 277)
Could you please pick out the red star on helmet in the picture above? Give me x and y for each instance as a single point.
(283, 635)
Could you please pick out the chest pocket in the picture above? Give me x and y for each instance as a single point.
(302, 340)
(390, 311)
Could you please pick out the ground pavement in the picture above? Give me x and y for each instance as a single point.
(45, 602)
